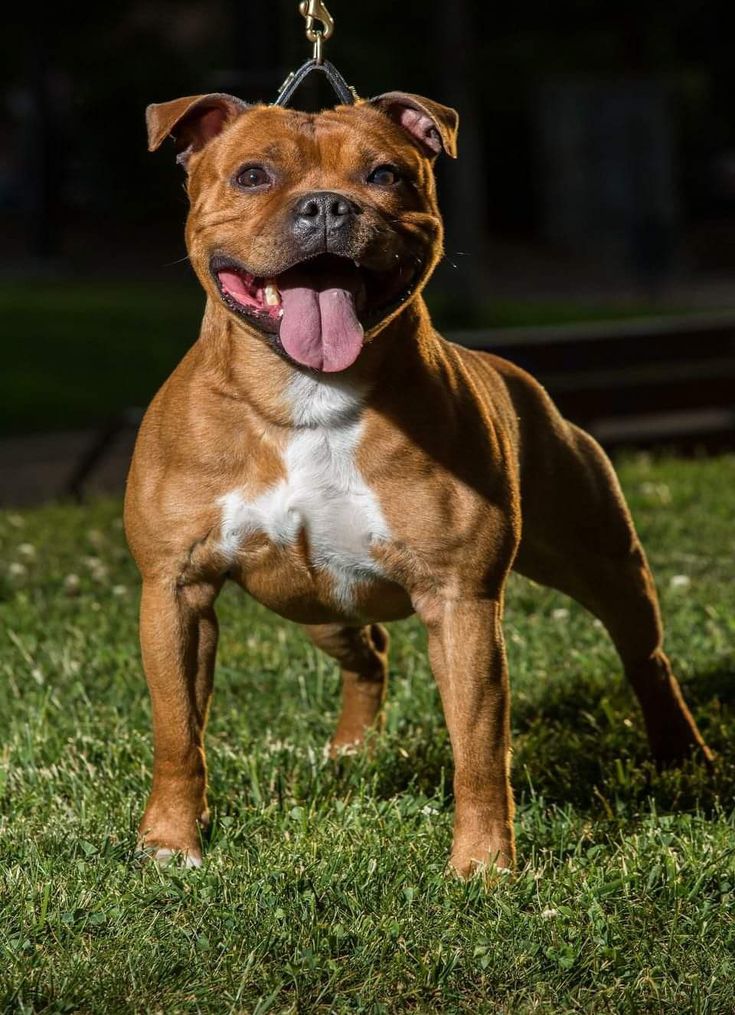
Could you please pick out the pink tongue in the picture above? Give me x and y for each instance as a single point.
(320, 328)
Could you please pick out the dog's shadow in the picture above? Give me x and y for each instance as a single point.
(575, 748)
(716, 685)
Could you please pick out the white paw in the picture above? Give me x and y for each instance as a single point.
(164, 855)
(349, 749)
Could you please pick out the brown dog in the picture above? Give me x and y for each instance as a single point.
(323, 447)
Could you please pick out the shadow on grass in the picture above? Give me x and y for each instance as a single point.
(577, 747)
(717, 685)
(574, 747)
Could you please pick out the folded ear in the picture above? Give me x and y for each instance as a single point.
(191, 121)
(432, 126)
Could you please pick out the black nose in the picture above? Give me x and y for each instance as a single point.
(324, 211)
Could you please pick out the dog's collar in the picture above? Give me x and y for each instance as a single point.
(344, 92)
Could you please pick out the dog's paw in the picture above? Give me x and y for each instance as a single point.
(473, 860)
(167, 855)
(164, 856)
(335, 749)
(487, 871)
(169, 839)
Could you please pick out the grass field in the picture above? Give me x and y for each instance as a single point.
(324, 887)
(77, 353)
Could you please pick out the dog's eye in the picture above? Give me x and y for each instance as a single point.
(253, 176)
(385, 176)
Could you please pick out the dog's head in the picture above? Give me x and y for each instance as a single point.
(313, 230)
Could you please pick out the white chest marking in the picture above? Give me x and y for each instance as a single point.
(322, 493)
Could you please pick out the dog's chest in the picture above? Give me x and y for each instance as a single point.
(321, 514)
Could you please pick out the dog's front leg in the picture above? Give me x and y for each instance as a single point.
(468, 660)
(178, 633)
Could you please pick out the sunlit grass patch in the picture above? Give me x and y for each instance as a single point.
(324, 887)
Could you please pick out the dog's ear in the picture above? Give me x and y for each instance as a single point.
(432, 126)
(191, 121)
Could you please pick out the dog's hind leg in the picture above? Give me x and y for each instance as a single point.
(362, 653)
(579, 537)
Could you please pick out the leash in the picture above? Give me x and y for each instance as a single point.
(319, 28)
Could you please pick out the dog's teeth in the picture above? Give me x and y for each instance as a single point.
(271, 295)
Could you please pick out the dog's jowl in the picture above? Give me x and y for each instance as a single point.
(322, 446)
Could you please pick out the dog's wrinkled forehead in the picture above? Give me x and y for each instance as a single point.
(390, 124)
(335, 141)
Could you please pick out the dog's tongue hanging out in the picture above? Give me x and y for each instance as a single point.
(319, 326)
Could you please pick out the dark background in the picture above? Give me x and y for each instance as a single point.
(596, 176)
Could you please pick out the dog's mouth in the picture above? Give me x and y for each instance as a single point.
(316, 312)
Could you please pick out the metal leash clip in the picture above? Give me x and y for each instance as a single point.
(315, 12)
(319, 27)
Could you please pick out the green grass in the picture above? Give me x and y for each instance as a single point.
(81, 352)
(324, 886)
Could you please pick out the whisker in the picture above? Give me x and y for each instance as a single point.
(170, 264)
